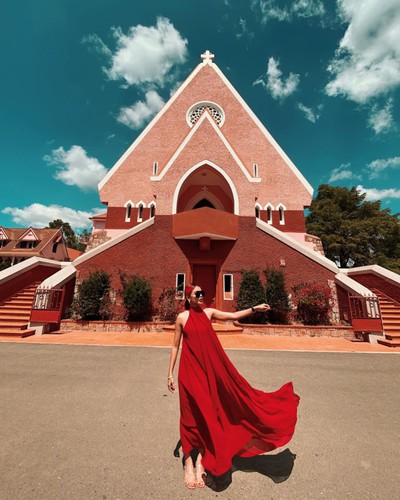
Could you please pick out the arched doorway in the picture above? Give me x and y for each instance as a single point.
(205, 185)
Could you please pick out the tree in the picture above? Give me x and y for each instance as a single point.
(92, 301)
(353, 231)
(137, 298)
(72, 240)
(276, 296)
(251, 293)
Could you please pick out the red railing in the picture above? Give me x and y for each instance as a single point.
(365, 313)
(47, 305)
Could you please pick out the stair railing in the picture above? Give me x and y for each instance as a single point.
(365, 313)
(47, 305)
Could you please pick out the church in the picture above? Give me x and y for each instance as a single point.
(204, 193)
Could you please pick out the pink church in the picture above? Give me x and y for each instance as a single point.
(206, 192)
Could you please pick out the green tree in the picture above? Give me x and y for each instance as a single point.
(251, 293)
(92, 300)
(72, 240)
(137, 298)
(354, 231)
(276, 295)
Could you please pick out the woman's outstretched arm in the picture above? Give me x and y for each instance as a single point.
(217, 314)
(174, 352)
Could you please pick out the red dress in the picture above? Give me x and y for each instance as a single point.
(220, 412)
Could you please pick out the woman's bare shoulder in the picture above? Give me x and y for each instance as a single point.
(182, 317)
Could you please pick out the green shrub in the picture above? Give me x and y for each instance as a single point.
(251, 293)
(92, 301)
(313, 303)
(137, 298)
(168, 305)
(276, 296)
(5, 263)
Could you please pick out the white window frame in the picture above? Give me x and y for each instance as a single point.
(128, 213)
(180, 294)
(152, 206)
(258, 207)
(140, 206)
(269, 208)
(228, 295)
(281, 209)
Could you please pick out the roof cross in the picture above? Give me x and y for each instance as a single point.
(207, 57)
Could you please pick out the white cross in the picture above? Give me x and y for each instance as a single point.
(207, 57)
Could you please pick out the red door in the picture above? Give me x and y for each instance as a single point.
(206, 277)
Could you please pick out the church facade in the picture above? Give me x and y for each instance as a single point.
(204, 193)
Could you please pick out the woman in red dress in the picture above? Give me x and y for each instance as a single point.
(221, 414)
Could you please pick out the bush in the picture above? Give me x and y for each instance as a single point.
(168, 305)
(92, 301)
(276, 296)
(137, 298)
(313, 303)
(5, 263)
(251, 293)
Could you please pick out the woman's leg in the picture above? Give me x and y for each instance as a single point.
(199, 471)
(190, 476)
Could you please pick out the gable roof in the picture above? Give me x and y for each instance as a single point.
(207, 62)
(16, 235)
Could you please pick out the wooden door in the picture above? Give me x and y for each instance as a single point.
(205, 275)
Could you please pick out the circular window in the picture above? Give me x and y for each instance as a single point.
(197, 110)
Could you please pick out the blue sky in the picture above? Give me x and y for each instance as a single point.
(81, 78)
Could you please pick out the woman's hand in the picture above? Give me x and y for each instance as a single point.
(171, 384)
(261, 308)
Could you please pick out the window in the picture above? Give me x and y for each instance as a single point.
(140, 213)
(281, 209)
(128, 212)
(255, 170)
(257, 211)
(27, 244)
(269, 209)
(228, 286)
(54, 249)
(3, 243)
(197, 110)
(180, 286)
(155, 168)
(152, 211)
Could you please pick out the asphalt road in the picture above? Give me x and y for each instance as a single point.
(85, 422)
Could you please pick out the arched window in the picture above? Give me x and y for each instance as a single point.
(269, 208)
(128, 210)
(255, 170)
(197, 110)
(152, 211)
(140, 212)
(257, 210)
(281, 208)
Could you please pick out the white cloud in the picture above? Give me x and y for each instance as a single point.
(244, 30)
(310, 114)
(38, 215)
(141, 112)
(96, 44)
(76, 168)
(376, 167)
(343, 173)
(381, 120)
(374, 194)
(147, 54)
(276, 85)
(367, 62)
(270, 10)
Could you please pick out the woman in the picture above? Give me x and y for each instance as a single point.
(221, 414)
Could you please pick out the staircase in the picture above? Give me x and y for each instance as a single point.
(15, 313)
(390, 311)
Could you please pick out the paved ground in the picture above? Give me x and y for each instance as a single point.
(232, 341)
(91, 422)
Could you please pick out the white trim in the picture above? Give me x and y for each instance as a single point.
(380, 271)
(30, 229)
(204, 195)
(152, 205)
(287, 240)
(223, 286)
(129, 202)
(20, 268)
(205, 104)
(255, 170)
(59, 278)
(143, 134)
(259, 206)
(218, 169)
(205, 116)
(114, 241)
(140, 206)
(263, 129)
(269, 207)
(281, 209)
(352, 286)
(177, 296)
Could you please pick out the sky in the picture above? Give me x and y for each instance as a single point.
(81, 79)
